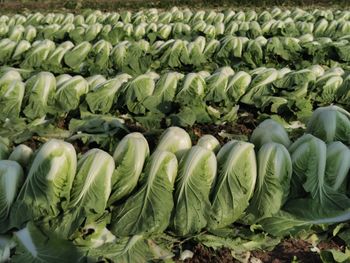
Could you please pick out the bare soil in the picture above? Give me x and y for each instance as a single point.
(15, 6)
(287, 251)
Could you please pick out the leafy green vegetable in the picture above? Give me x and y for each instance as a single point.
(273, 182)
(209, 142)
(197, 172)
(22, 154)
(330, 123)
(129, 156)
(11, 96)
(35, 246)
(102, 96)
(332, 255)
(337, 166)
(11, 180)
(149, 209)
(124, 250)
(40, 91)
(235, 183)
(91, 187)
(46, 190)
(69, 93)
(175, 140)
(269, 131)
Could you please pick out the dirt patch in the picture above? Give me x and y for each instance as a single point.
(335, 243)
(288, 250)
(75, 6)
(25, 6)
(300, 250)
(243, 128)
(62, 123)
(238, 129)
(81, 147)
(204, 254)
(32, 144)
(132, 126)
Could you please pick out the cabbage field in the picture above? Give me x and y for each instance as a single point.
(177, 135)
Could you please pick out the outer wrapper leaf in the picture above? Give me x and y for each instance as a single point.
(124, 250)
(11, 180)
(36, 247)
(175, 140)
(11, 97)
(40, 94)
(102, 97)
(269, 131)
(197, 171)
(129, 156)
(273, 183)
(330, 123)
(235, 183)
(69, 93)
(92, 185)
(149, 209)
(46, 191)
